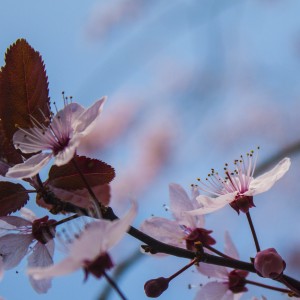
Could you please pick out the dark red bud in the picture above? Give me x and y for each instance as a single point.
(268, 263)
(155, 287)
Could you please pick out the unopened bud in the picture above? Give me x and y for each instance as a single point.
(268, 263)
(155, 287)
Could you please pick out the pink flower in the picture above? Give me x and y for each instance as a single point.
(231, 284)
(268, 263)
(185, 229)
(18, 236)
(89, 251)
(238, 186)
(59, 140)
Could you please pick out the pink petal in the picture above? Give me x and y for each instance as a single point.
(13, 247)
(67, 116)
(264, 182)
(230, 248)
(30, 167)
(12, 223)
(213, 271)
(213, 291)
(30, 142)
(209, 204)
(117, 229)
(164, 230)
(102, 234)
(64, 156)
(28, 214)
(179, 204)
(94, 234)
(41, 257)
(66, 266)
(87, 119)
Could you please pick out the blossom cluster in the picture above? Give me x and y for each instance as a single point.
(78, 186)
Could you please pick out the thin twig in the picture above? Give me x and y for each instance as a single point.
(253, 231)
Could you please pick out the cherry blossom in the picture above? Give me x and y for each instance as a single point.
(20, 236)
(238, 186)
(102, 235)
(230, 284)
(185, 229)
(59, 140)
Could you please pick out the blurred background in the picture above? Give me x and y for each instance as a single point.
(192, 84)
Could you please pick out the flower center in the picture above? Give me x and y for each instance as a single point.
(42, 230)
(98, 266)
(242, 203)
(199, 235)
(237, 281)
(237, 179)
(60, 145)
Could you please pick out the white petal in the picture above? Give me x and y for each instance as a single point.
(30, 167)
(235, 296)
(40, 257)
(64, 156)
(13, 222)
(94, 234)
(13, 247)
(117, 229)
(87, 119)
(70, 114)
(212, 291)
(209, 204)
(28, 214)
(102, 234)
(213, 271)
(6, 227)
(164, 230)
(264, 182)
(66, 266)
(230, 248)
(179, 204)
(29, 142)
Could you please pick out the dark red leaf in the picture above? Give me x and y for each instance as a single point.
(13, 196)
(9, 156)
(80, 198)
(23, 89)
(95, 171)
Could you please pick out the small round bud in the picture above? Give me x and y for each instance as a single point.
(268, 263)
(155, 287)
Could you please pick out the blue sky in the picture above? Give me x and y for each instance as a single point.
(223, 76)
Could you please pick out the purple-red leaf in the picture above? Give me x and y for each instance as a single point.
(23, 89)
(80, 198)
(9, 156)
(67, 177)
(13, 196)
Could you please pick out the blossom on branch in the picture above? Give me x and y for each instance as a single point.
(20, 236)
(238, 186)
(230, 284)
(89, 251)
(59, 140)
(185, 230)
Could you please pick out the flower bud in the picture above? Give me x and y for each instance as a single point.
(268, 263)
(155, 287)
